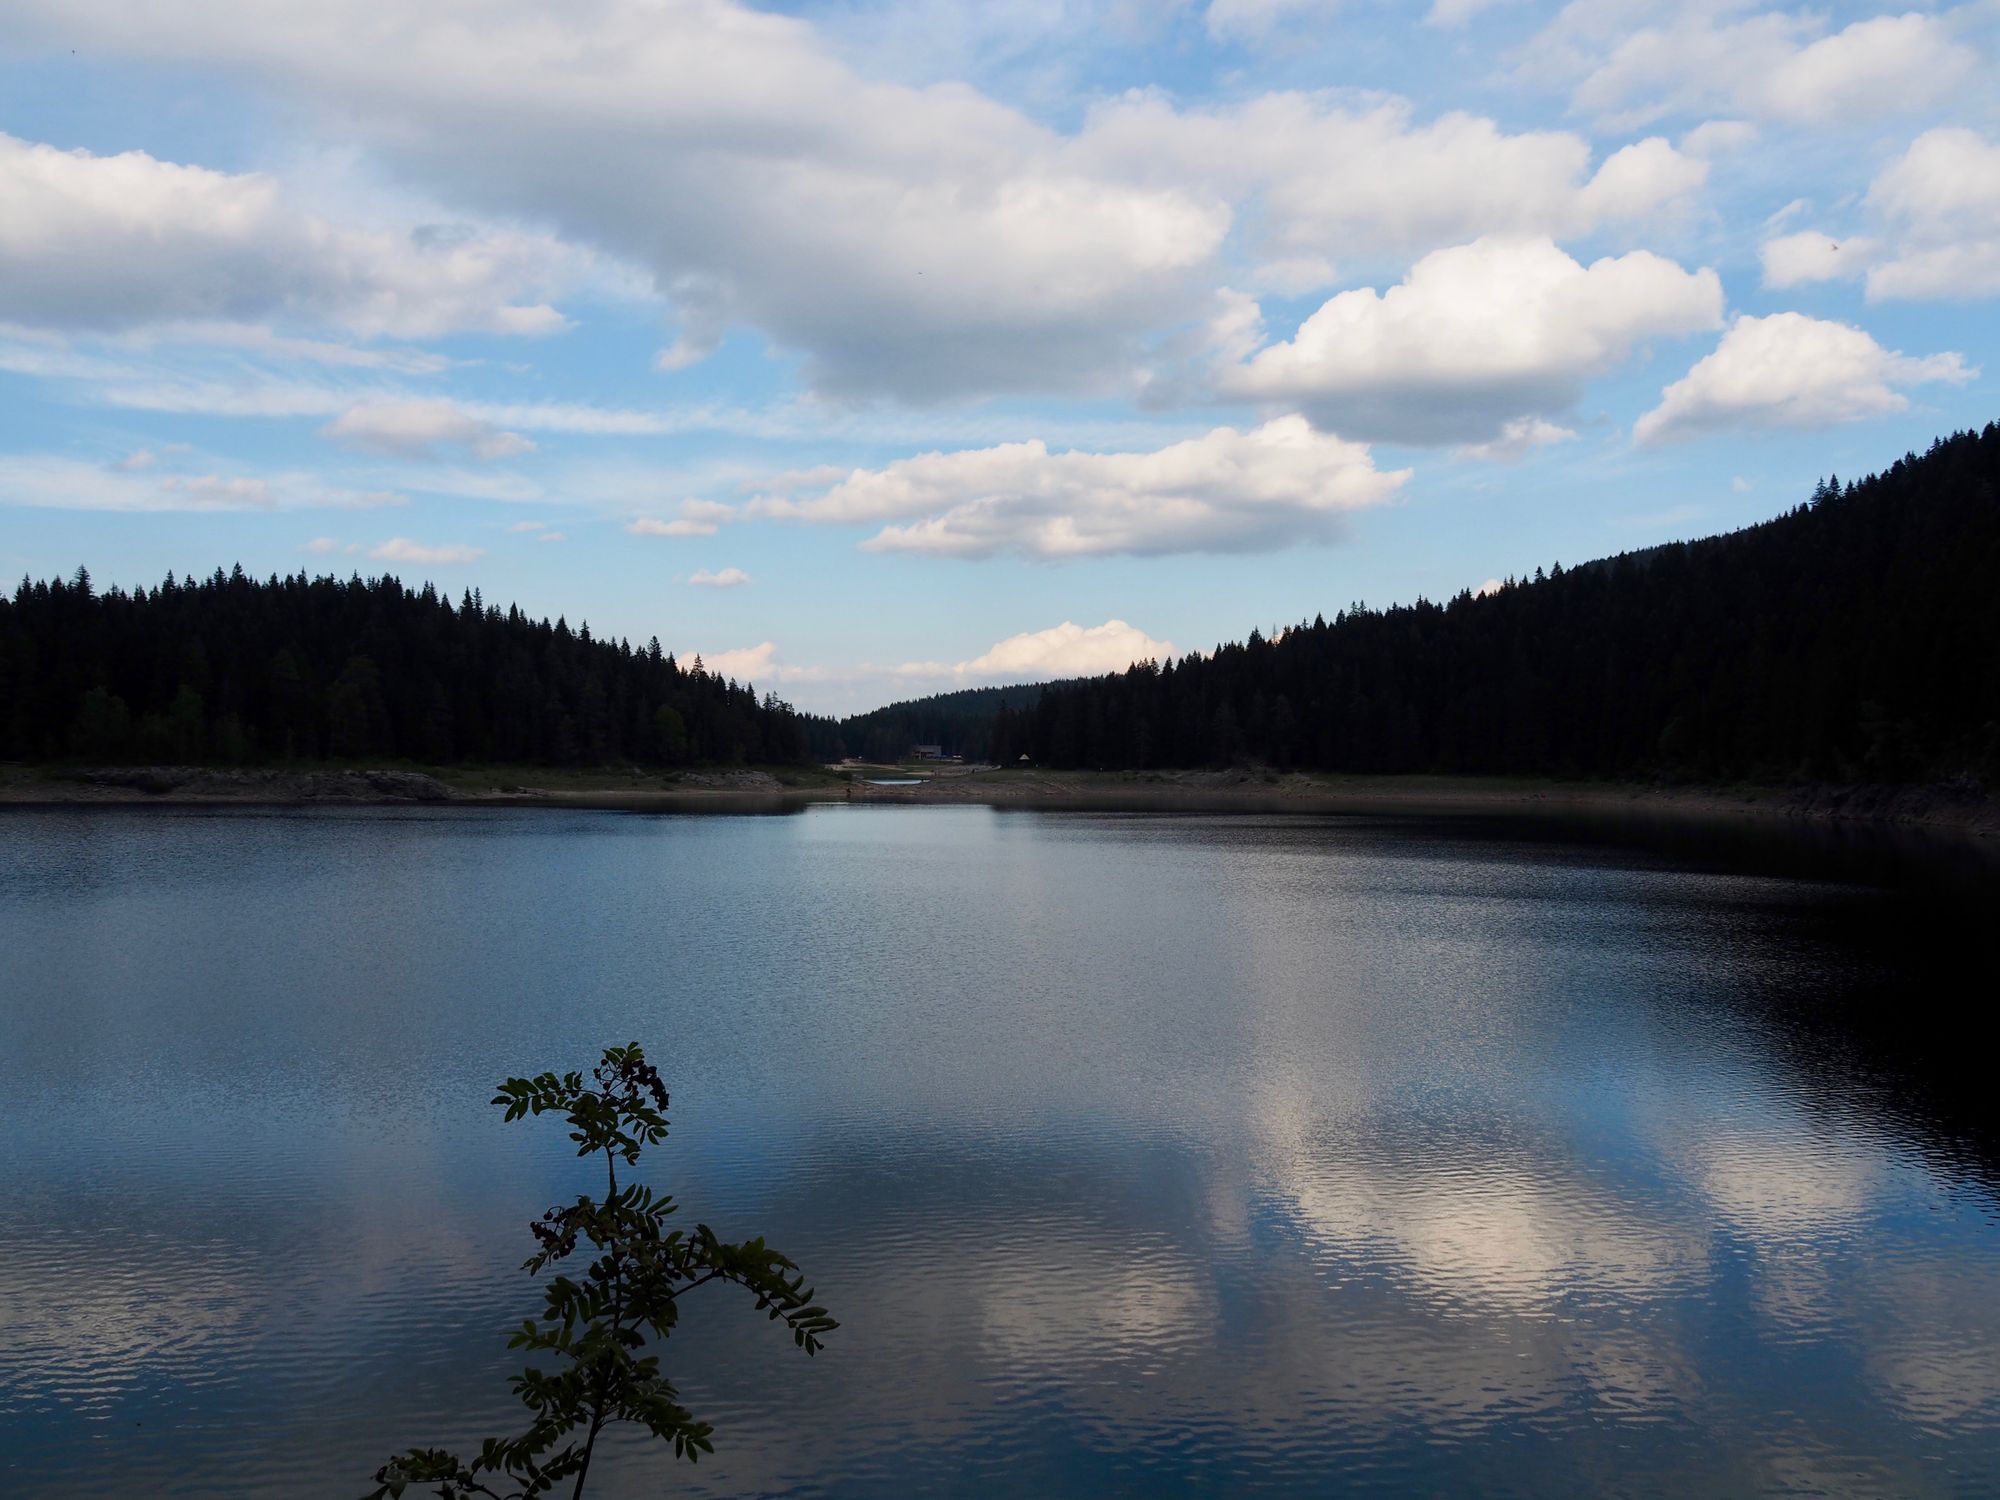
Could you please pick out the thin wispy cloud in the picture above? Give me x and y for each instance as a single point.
(139, 483)
(423, 429)
(401, 549)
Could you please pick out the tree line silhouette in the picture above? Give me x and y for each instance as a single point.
(1856, 637)
(228, 669)
(1852, 638)
(961, 723)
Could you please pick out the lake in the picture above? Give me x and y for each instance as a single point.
(1137, 1154)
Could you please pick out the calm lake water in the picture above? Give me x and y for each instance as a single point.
(1138, 1155)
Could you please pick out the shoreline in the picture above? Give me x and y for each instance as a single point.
(1928, 809)
(1942, 809)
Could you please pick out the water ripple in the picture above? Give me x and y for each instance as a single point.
(1224, 1156)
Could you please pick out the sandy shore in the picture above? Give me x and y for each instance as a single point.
(1957, 810)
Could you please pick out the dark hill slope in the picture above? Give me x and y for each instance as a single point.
(960, 722)
(1854, 638)
(232, 670)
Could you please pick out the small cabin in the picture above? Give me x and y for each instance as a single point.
(926, 752)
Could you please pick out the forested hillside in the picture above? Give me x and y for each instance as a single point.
(1854, 638)
(232, 670)
(961, 723)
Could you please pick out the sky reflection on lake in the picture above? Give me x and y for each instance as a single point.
(1231, 1155)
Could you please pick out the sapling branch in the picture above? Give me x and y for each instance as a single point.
(600, 1326)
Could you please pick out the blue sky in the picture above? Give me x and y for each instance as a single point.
(878, 349)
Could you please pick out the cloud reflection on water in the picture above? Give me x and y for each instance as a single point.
(1211, 1154)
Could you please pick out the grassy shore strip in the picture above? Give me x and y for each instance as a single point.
(393, 785)
(1957, 808)
(1945, 807)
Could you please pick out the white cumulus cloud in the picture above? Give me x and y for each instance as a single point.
(1225, 491)
(1872, 67)
(1934, 227)
(1065, 650)
(752, 664)
(1476, 337)
(956, 245)
(130, 241)
(1789, 370)
(1943, 197)
(726, 578)
(1317, 178)
(1701, 59)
